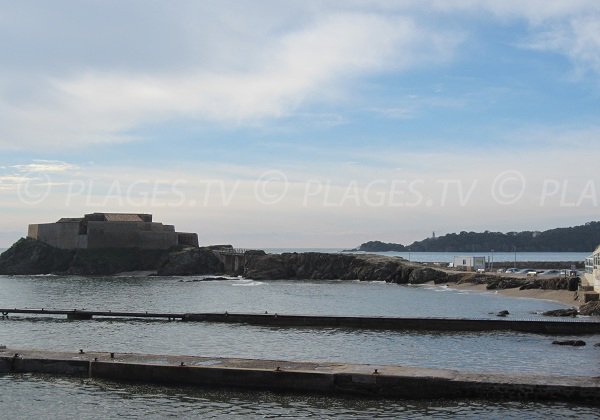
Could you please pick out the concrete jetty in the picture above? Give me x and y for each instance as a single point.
(394, 382)
(538, 326)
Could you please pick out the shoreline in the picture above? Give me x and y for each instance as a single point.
(564, 297)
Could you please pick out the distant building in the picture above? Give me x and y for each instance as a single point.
(592, 270)
(110, 230)
(469, 263)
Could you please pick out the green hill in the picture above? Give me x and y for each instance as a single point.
(584, 238)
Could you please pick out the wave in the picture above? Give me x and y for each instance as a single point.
(248, 283)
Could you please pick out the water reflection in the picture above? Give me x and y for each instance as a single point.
(75, 398)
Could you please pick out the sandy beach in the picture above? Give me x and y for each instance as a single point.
(561, 296)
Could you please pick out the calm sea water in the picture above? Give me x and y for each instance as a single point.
(43, 397)
(46, 397)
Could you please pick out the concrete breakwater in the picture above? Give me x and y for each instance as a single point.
(394, 382)
(569, 327)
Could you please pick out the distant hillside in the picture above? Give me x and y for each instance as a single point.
(584, 238)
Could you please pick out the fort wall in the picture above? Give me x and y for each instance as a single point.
(131, 234)
(110, 230)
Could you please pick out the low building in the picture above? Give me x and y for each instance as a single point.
(469, 263)
(592, 270)
(110, 230)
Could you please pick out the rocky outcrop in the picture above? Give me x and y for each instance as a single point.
(320, 266)
(553, 283)
(191, 261)
(28, 256)
(590, 309)
(495, 282)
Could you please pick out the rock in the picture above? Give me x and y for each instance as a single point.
(575, 343)
(424, 275)
(503, 313)
(110, 261)
(597, 345)
(552, 283)
(498, 283)
(28, 256)
(590, 309)
(562, 312)
(322, 266)
(190, 261)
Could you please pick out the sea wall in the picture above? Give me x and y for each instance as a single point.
(394, 382)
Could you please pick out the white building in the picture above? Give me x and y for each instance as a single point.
(469, 263)
(592, 270)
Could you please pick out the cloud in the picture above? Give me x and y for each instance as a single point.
(69, 79)
(40, 165)
(578, 39)
(317, 61)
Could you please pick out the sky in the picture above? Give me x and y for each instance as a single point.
(302, 123)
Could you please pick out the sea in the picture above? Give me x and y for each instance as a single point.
(41, 396)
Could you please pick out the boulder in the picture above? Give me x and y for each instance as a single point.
(503, 313)
(427, 274)
(562, 312)
(575, 343)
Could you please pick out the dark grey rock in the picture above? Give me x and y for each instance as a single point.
(424, 275)
(503, 313)
(562, 312)
(190, 261)
(29, 256)
(575, 343)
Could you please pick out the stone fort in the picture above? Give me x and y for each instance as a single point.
(110, 230)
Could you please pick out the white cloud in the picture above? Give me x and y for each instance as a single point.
(319, 61)
(40, 165)
(81, 82)
(579, 39)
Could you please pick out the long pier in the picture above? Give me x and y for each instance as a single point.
(394, 382)
(556, 326)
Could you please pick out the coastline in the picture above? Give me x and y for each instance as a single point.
(564, 297)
